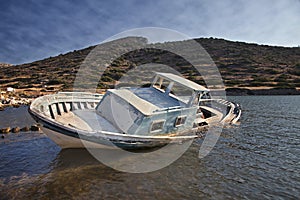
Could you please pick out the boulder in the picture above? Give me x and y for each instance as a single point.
(5, 130)
(35, 128)
(15, 130)
(25, 129)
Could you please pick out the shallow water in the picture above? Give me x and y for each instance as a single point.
(257, 160)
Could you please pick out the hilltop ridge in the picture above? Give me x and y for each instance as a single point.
(242, 65)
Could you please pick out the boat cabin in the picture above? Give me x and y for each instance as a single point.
(169, 105)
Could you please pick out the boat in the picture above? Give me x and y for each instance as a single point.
(171, 109)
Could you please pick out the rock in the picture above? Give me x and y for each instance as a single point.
(238, 92)
(5, 130)
(35, 128)
(15, 130)
(271, 91)
(2, 136)
(13, 102)
(25, 129)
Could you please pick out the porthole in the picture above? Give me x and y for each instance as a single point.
(157, 126)
(180, 120)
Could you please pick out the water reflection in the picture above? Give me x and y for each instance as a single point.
(72, 158)
(258, 159)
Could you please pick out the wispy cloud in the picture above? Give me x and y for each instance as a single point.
(32, 30)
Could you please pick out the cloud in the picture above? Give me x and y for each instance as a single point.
(32, 30)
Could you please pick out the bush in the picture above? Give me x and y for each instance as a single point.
(271, 71)
(295, 70)
(260, 79)
(107, 79)
(282, 78)
(15, 85)
(54, 82)
(232, 82)
(284, 85)
(255, 84)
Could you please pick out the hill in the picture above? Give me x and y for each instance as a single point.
(242, 65)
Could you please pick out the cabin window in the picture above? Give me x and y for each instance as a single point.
(157, 125)
(180, 120)
(161, 84)
(196, 100)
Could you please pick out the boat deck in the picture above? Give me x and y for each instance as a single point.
(87, 120)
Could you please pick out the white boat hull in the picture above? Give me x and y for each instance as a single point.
(69, 131)
(68, 142)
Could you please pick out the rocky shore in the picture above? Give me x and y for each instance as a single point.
(14, 101)
(271, 91)
(5, 132)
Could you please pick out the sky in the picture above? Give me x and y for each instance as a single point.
(35, 29)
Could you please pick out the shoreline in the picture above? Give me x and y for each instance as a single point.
(261, 91)
(14, 101)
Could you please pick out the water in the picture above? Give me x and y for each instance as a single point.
(257, 160)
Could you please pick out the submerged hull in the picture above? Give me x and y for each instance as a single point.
(66, 138)
(68, 142)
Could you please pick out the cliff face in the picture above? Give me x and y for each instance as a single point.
(240, 64)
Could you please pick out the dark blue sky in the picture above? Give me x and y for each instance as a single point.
(32, 30)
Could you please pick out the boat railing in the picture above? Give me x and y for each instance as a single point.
(169, 108)
(221, 105)
(229, 109)
(81, 95)
(44, 103)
